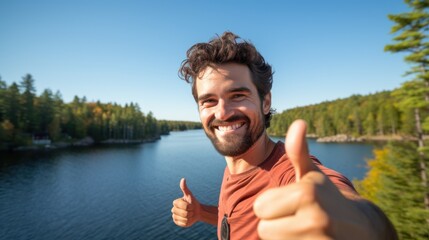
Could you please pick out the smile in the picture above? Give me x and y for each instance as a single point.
(230, 127)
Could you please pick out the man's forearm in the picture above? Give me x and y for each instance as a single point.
(209, 214)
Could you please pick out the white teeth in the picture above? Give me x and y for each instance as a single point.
(229, 128)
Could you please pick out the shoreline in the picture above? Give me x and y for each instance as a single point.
(84, 142)
(88, 141)
(344, 138)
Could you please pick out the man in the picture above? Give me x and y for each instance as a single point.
(269, 190)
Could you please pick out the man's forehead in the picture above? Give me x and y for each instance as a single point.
(223, 79)
(226, 70)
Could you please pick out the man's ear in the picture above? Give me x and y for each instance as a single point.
(266, 103)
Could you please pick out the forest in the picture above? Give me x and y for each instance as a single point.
(168, 125)
(25, 117)
(358, 115)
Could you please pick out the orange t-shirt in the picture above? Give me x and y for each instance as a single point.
(239, 191)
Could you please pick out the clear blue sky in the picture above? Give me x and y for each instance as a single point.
(130, 51)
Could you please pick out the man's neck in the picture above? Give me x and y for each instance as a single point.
(253, 157)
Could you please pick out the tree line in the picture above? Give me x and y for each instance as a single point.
(358, 115)
(167, 125)
(25, 116)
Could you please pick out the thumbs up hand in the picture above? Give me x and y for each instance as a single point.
(311, 208)
(186, 210)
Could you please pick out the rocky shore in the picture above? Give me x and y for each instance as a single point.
(339, 138)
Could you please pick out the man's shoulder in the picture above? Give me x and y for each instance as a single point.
(278, 165)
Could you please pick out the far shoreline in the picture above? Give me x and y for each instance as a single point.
(344, 138)
(84, 142)
(88, 141)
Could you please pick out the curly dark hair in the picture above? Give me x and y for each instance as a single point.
(228, 48)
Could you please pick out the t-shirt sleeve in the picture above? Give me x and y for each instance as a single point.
(339, 180)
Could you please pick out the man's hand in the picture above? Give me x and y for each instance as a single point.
(311, 208)
(186, 210)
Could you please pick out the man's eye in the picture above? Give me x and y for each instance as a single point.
(207, 102)
(237, 96)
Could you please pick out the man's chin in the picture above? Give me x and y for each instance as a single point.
(229, 152)
(231, 147)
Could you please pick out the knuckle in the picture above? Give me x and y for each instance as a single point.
(262, 229)
(319, 222)
(309, 194)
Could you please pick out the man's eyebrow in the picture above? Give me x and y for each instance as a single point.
(232, 90)
(205, 96)
(239, 89)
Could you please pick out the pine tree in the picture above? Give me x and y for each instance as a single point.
(27, 99)
(3, 89)
(411, 30)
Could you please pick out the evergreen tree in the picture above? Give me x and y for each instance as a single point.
(54, 127)
(45, 110)
(411, 30)
(3, 89)
(27, 107)
(12, 105)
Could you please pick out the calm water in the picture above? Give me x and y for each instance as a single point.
(125, 192)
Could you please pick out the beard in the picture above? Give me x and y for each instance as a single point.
(233, 144)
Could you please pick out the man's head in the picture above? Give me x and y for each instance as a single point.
(226, 49)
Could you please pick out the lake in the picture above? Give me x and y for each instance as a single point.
(125, 192)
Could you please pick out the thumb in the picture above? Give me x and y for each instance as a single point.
(297, 149)
(187, 194)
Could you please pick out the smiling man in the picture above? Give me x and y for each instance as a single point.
(230, 109)
(269, 190)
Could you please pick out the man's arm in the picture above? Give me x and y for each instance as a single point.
(188, 210)
(313, 207)
(209, 214)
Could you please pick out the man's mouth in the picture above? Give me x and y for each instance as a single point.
(231, 127)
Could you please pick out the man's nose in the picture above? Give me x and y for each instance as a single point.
(223, 110)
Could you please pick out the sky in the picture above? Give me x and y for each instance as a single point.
(130, 51)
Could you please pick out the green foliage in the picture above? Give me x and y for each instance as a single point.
(374, 114)
(167, 126)
(412, 95)
(23, 114)
(412, 38)
(393, 183)
(27, 118)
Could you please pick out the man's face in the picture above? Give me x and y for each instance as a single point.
(230, 108)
